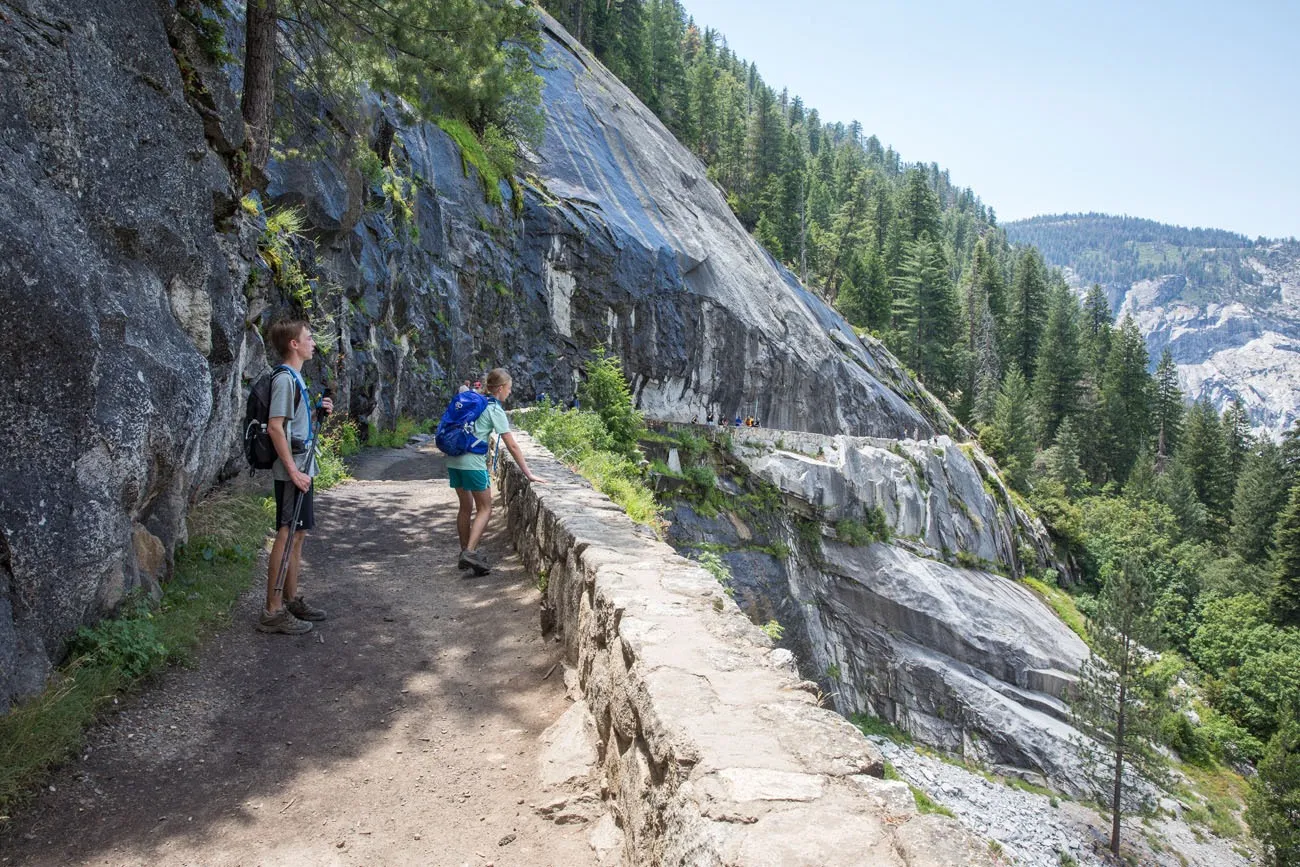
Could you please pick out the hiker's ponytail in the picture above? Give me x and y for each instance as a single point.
(498, 377)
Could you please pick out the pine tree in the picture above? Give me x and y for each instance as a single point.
(1126, 395)
(1028, 310)
(1143, 483)
(465, 59)
(1167, 408)
(1256, 503)
(925, 317)
(1284, 603)
(1120, 703)
(918, 207)
(1094, 434)
(1097, 324)
(1291, 451)
(1237, 438)
(1063, 458)
(1176, 488)
(1273, 803)
(1205, 454)
(1057, 371)
(1011, 436)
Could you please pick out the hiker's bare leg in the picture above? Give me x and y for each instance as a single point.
(273, 599)
(464, 516)
(483, 506)
(295, 559)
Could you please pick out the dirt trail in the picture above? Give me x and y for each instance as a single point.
(404, 730)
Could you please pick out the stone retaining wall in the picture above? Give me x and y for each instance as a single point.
(712, 750)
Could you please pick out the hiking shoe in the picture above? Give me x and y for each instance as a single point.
(299, 608)
(463, 563)
(283, 622)
(473, 560)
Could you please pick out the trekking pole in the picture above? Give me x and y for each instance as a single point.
(288, 542)
(297, 511)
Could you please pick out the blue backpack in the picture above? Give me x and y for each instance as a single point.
(455, 434)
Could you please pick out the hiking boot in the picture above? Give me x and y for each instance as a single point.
(463, 563)
(473, 560)
(283, 622)
(299, 608)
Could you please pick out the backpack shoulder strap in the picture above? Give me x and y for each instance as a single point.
(297, 392)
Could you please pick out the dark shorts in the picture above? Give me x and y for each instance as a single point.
(284, 505)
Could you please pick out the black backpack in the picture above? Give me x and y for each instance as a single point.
(258, 448)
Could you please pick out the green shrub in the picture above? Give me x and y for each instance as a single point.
(691, 447)
(347, 435)
(873, 529)
(606, 392)
(128, 642)
(1191, 744)
(329, 461)
(579, 439)
(403, 429)
(810, 533)
(774, 630)
(717, 568)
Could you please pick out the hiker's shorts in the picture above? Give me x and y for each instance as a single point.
(470, 480)
(284, 505)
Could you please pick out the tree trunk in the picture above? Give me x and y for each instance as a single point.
(1119, 757)
(259, 87)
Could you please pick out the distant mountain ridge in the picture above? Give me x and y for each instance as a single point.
(1227, 307)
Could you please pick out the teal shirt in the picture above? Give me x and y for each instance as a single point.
(493, 420)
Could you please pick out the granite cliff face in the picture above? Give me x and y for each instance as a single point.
(132, 292)
(925, 628)
(1229, 350)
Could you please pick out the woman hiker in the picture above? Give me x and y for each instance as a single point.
(469, 476)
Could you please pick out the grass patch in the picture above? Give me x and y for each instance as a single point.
(872, 725)
(107, 659)
(925, 804)
(1223, 792)
(1062, 603)
(1025, 786)
(490, 165)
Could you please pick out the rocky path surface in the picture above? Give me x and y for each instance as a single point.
(404, 730)
(1035, 831)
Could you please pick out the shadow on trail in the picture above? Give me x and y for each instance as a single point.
(408, 639)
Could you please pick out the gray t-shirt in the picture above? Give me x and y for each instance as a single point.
(283, 388)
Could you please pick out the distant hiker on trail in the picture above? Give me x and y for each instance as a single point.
(291, 431)
(709, 418)
(737, 421)
(695, 419)
(468, 473)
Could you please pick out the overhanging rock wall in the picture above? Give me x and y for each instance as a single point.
(712, 750)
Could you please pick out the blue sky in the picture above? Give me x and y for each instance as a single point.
(1186, 113)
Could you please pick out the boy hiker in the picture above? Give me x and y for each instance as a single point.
(291, 431)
